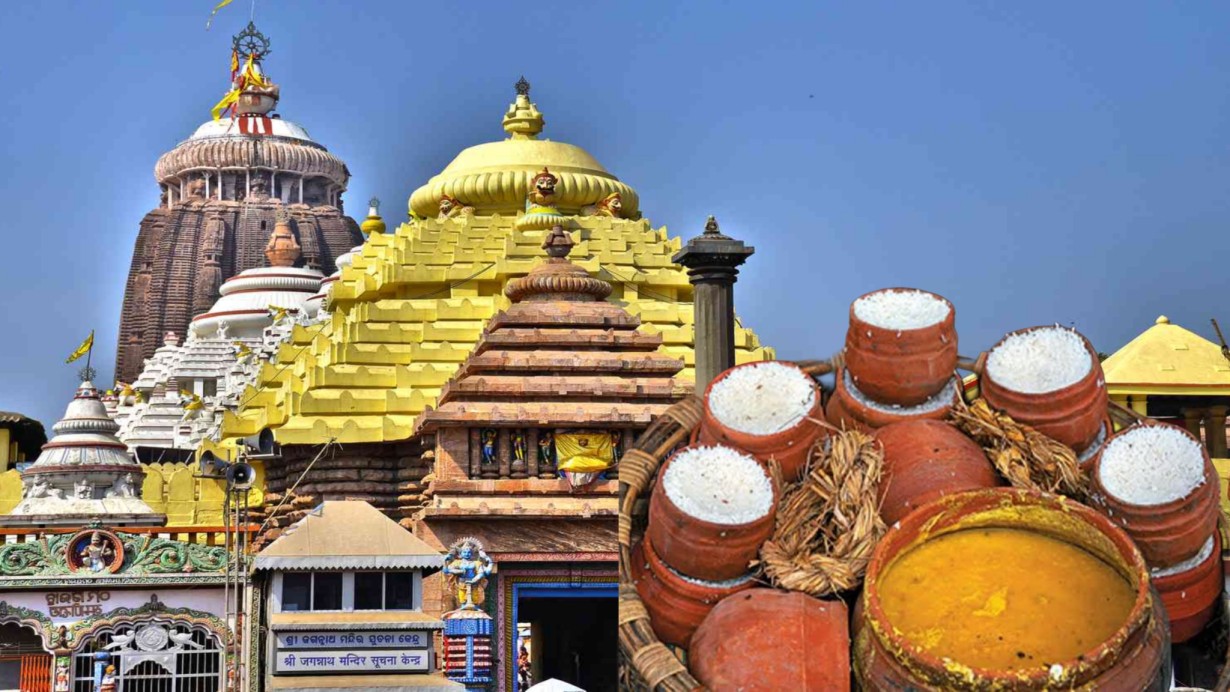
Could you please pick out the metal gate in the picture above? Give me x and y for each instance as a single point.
(153, 656)
(35, 675)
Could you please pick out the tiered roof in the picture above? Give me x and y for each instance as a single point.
(414, 303)
(560, 354)
(1168, 359)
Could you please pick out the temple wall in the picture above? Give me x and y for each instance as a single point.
(170, 488)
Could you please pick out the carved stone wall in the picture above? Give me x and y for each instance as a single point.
(182, 255)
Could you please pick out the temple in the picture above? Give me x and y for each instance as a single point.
(223, 190)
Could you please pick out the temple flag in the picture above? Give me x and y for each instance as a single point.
(83, 349)
(222, 4)
(584, 452)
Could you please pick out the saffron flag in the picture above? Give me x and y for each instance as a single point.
(222, 4)
(584, 452)
(83, 349)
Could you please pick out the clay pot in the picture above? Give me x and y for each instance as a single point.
(1169, 533)
(1191, 596)
(925, 460)
(901, 366)
(845, 411)
(790, 447)
(703, 549)
(1134, 658)
(764, 640)
(1071, 415)
(1090, 454)
(676, 606)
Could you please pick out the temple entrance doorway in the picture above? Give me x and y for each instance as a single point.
(573, 634)
(24, 664)
(152, 656)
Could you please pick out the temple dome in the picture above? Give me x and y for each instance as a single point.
(230, 128)
(495, 177)
(246, 299)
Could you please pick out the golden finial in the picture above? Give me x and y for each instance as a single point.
(523, 121)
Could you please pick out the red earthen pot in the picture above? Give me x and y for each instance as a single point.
(1134, 658)
(925, 460)
(675, 605)
(765, 640)
(790, 447)
(1071, 415)
(844, 411)
(901, 366)
(1169, 533)
(1191, 597)
(703, 549)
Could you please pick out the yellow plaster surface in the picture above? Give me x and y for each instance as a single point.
(413, 304)
(1168, 359)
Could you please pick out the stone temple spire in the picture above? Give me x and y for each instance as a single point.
(84, 473)
(556, 278)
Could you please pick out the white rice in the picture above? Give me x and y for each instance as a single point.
(938, 401)
(1040, 361)
(901, 309)
(1151, 465)
(719, 485)
(1205, 551)
(763, 398)
(726, 584)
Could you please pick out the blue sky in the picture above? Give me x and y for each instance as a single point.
(1033, 162)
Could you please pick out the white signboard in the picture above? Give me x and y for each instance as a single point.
(353, 640)
(67, 606)
(347, 661)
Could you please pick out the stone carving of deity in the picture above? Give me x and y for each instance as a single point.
(489, 447)
(83, 490)
(96, 556)
(546, 448)
(518, 445)
(38, 487)
(451, 206)
(467, 566)
(612, 205)
(223, 329)
(542, 190)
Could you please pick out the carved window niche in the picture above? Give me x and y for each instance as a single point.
(489, 453)
(546, 454)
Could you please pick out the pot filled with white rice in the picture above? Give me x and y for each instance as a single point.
(1048, 378)
(1157, 482)
(711, 510)
(901, 346)
(768, 409)
(849, 408)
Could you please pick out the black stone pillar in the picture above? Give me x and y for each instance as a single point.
(712, 260)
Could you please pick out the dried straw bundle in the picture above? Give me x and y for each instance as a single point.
(1024, 456)
(829, 522)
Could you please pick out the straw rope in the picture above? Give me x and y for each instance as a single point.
(829, 522)
(1024, 456)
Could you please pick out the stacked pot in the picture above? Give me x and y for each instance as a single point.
(1050, 379)
(1157, 482)
(900, 360)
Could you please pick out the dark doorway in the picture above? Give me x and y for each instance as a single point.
(24, 664)
(574, 639)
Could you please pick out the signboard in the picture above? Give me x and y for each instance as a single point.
(353, 640)
(67, 606)
(348, 661)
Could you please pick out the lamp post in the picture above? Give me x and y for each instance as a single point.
(712, 260)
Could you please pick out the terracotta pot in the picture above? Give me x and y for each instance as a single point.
(790, 447)
(676, 605)
(1191, 596)
(925, 460)
(703, 549)
(1134, 658)
(1071, 415)
(1169, 533)
(901, 366)
(844, 411)
(764, 640)
(1090, 453)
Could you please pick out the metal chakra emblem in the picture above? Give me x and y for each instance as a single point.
(251, 42)
(523, 87)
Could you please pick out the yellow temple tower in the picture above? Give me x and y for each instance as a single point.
(412, 304)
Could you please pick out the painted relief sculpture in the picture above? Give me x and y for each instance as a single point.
(468, 567)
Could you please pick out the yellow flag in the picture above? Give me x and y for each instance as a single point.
(222, 4)
(83, 349)
(584, 452)
(229, 100)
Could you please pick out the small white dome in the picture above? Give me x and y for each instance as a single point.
(226, 127)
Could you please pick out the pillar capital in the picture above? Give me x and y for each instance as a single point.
(712, 256)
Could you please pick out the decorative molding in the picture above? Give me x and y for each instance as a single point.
(79, 632)
(141, 554)
(28, 617)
